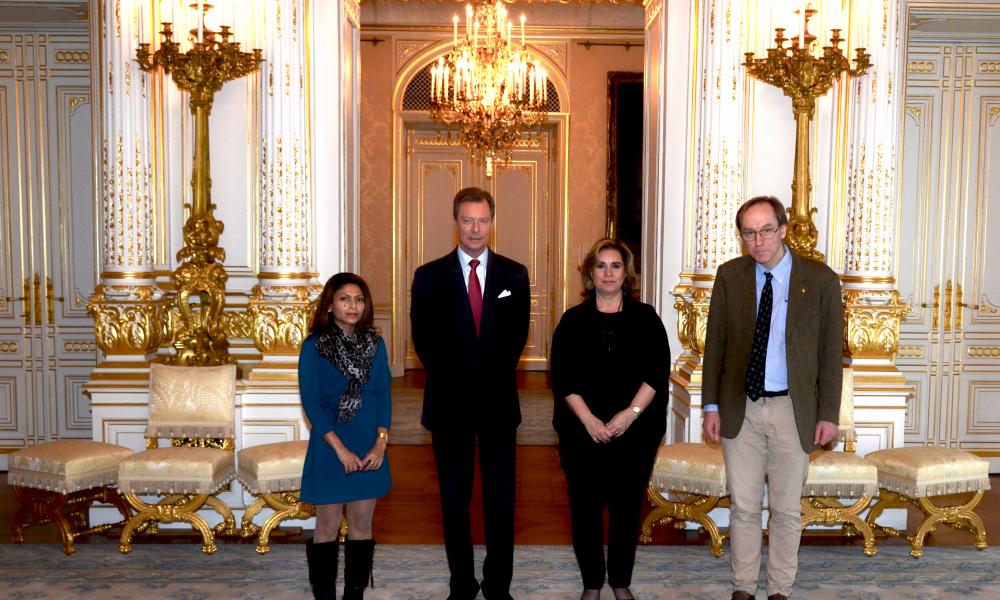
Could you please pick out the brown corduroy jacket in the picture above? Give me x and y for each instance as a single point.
(814, 333)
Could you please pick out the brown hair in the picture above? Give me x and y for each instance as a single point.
(323, 318)
(776, 206)
(472, 194)
(590, 261)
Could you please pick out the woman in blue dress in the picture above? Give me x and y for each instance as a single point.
(344, 386)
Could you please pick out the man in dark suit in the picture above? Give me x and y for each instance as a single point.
(772, 380)
(469, 320)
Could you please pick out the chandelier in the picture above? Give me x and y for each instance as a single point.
(487, 87)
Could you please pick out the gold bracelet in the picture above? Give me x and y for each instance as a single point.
(383, 435)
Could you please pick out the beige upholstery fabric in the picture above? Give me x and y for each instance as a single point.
(182, 470)
(273, 467)
(194, 402)
(918, 472)
(66, 466)
(840, 475)
(692, 468)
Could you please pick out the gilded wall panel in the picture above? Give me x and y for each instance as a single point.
(376, 172)
(984, 407)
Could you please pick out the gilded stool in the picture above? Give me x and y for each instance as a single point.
(919, 476)
(695, 474)
(836, 476)
(272, 473)
(57, 482)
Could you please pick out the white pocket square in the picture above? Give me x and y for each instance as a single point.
(504, 294)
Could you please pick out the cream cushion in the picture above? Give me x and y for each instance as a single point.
(691, 468)
(183, 470)
(66, 466)
(924, 471)
(195, 402)
(273, 467)
(840, 475)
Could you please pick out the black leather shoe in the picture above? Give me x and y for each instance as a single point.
(741, 595)
(777, 597)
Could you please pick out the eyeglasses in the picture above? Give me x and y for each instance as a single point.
(766, 233)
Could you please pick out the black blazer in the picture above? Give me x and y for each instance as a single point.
(471, 381)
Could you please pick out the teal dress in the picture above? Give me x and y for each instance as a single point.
(320, 387)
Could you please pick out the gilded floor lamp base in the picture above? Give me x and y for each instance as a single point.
(959, 517)
(693, 507)
(70, 513)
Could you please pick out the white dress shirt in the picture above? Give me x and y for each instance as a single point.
(464, 259)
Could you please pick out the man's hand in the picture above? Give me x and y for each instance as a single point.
(711, 425)
(825, 432)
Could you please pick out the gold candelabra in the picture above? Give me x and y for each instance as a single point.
(212, 60)
(804, 77)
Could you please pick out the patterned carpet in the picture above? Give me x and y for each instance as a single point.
(181, 572)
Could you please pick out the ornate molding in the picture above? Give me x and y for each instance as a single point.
(989, 66)
(129, 320)
(994, 112)
(916, 112)
(73, 56)
(910, 352)
(278, 317)
(79, 346)
(871, 322)
(4, 56)
(984, 351)
(921, 66)
(558, 53)
(692, 318)
(9, 348)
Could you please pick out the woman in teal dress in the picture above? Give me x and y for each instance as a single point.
(344, 386)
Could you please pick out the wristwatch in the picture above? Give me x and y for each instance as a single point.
(636, 409)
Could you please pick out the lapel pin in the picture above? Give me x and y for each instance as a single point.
(803, 290)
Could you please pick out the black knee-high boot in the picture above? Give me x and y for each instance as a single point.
(322, 560)
(357, 567)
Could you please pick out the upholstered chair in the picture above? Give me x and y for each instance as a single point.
(273, 474)
(193, 407)
(57, 482)
(923, 476)
(688, 481)
(838, 475)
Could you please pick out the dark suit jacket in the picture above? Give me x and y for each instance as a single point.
(814, 333)
(461, 367)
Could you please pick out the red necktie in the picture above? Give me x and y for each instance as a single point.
(475, 294)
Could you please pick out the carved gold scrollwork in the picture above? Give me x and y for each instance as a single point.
(279, 317)
(133, 322)
(692, 323)
(871, 322)
(935, 305)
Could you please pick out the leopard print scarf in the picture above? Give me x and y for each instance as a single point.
(352, 356)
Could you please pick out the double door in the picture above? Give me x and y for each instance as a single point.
(47, 237)
(948, 243)
(526, 193)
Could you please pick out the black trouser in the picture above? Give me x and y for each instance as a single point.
(613, 475)
(454, 453)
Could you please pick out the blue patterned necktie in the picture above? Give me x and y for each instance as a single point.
(754, 382)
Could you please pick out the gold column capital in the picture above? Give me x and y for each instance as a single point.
(871, 322)
(129, 320)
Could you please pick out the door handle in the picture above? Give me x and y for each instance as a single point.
(50, 300)
(26, 298)
(934, 305)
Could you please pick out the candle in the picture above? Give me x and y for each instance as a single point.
(802, 35)
(508, 32)
(167, 15)
(522, 30)
(141, 29)
(201, 21)
(454, 33)
(468, 22)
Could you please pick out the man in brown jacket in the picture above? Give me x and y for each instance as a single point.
(772, 381)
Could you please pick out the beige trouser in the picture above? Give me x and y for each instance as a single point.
(768, 444)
